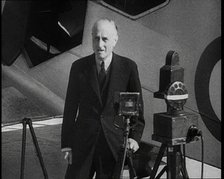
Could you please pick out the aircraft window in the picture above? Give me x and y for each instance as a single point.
(134, 9)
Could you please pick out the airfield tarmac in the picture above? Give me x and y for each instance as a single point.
(48, 136)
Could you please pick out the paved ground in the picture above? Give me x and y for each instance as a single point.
(48, 136)
(16, 106)
(49, 142)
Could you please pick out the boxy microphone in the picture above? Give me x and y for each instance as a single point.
(127, 103)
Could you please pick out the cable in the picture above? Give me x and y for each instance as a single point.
(202, 155)
(193, 135)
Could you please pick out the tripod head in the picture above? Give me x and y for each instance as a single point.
(127, 106)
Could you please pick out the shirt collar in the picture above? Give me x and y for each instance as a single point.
(107, 62)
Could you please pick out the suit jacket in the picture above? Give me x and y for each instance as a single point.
(85, 113)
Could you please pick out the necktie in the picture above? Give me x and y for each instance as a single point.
(102, 75)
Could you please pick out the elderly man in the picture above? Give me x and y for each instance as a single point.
(90, 140)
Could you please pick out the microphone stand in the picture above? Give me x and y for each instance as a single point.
(118, 174)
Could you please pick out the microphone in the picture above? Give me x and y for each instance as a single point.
(127, 103)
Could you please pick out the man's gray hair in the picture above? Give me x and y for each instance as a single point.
(109, 21)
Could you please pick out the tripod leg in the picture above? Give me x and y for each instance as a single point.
(132, 172)
(118, 169)
(174, 162)
(37, 149)
(183, 166)
(23, 149)
(161, 172)
(158, 160)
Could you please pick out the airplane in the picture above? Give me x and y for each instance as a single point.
(40, 41)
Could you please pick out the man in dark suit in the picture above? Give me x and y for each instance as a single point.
(90, 140)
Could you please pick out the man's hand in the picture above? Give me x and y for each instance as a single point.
(132, 144)
(68, 156)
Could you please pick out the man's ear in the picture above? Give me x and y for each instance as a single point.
(115, 40)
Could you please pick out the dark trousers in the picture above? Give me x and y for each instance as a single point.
(101, 162)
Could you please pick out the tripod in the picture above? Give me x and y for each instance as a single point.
(25, 122)
(125, 155)
(175, 163)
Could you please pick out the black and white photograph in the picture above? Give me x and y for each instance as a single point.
(111, 89)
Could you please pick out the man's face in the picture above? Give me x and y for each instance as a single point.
(104, 39)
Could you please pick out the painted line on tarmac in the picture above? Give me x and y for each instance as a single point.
(36, 124)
